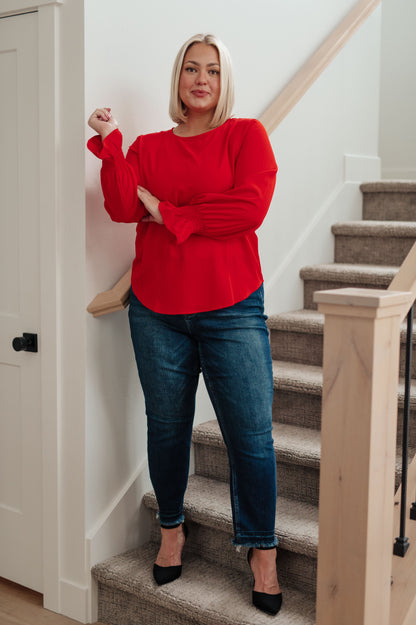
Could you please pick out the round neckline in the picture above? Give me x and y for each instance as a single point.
(201, 134)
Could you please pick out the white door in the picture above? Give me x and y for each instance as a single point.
(20, 419)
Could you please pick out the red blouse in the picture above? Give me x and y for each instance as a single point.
(214, 191)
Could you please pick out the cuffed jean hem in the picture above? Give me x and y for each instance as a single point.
(167, 523)
(256, 544)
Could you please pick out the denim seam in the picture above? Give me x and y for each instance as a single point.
(235, 505)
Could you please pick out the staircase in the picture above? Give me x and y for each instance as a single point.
(215, 587)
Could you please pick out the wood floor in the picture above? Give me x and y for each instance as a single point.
(20, 606)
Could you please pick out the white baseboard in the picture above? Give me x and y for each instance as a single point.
(74, 601)
(361, 168)
(123, 525)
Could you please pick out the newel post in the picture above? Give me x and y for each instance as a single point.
(359, 414)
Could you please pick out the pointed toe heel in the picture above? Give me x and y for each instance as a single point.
(166, 574)
(270, 604)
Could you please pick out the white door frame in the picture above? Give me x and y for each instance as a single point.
(48, 202)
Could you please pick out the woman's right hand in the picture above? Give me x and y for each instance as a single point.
(102, 122)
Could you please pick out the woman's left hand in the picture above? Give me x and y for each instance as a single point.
(151, 204)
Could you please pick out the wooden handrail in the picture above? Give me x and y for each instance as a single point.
(405, 279)
(315, 65)
(117, 298)
(112, 300)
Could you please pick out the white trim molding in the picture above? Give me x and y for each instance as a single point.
(48, 21)
(75, 600)
(361, 168)
(14, 7)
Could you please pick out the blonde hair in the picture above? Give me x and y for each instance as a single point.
(177, 110)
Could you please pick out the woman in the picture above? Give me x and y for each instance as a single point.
(198, 192)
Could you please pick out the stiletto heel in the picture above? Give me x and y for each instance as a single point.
(270, 604)
(166, 574)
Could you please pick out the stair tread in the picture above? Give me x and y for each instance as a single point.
(305, 320)
(218, 595)
(293, 444)
(375, 228)
(389, 186)
(207, 502)
(293, 376)
(379, 275)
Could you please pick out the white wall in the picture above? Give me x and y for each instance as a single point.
(325, 147)
(398, 90)
(129, 50)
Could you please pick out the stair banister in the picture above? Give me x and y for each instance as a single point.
(117, 297)
(359, 417)
(403, 596)
(405, 279)
(403, 599)
(401, 543)
(359, 414)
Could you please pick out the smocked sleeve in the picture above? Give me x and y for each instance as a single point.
(235, 211)
(119, 176)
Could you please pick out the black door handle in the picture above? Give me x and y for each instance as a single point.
(27, 343)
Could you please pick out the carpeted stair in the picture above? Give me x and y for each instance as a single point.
(215, 587)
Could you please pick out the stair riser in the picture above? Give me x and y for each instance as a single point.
(295, 570)
(303, 348)
(308, 348)
(310, 286)
(372, 250)
(293, 480)
(116, 607)
(297, 408)
(389, 206)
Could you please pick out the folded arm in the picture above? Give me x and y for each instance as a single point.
(241, 208)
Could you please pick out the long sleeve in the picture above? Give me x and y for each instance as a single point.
(119, 177)
(237, 210)
(214, 191)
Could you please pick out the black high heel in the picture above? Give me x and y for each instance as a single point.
(166, 574)
(270, 604)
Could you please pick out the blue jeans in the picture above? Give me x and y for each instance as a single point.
(231, 348)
